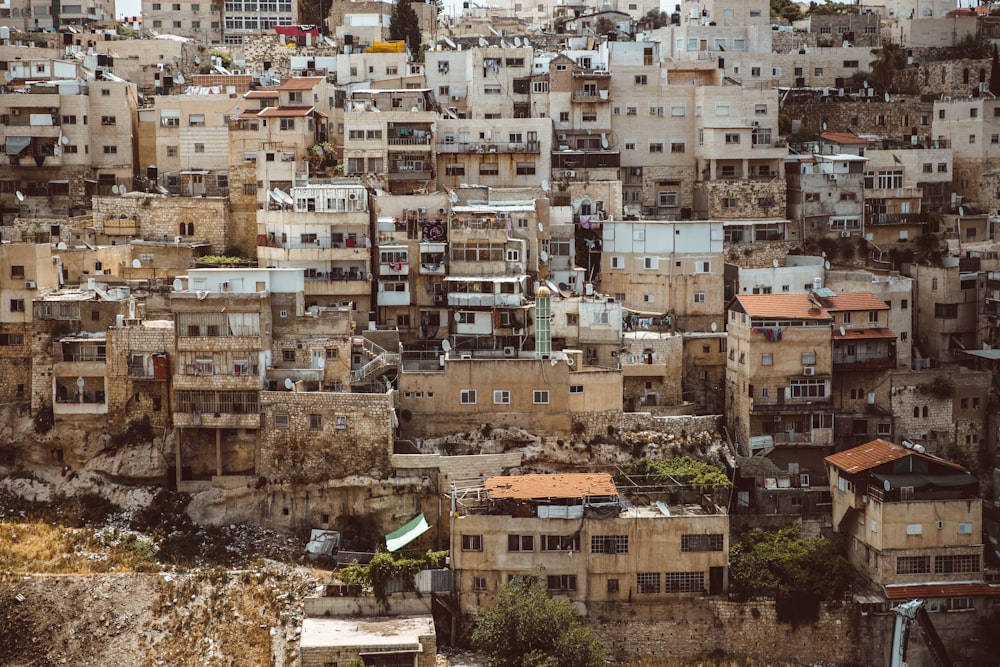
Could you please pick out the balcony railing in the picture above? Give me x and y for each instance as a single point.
(409, 141)
(591, 96)
(864, 361)
(483, 147)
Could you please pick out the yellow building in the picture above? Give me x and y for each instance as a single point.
(592, 545)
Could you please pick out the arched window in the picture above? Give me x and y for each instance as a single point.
(916, 411)
(925, 411)
(982, 75)
(965, 75)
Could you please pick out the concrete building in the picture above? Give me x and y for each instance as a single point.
(826, 195)
(498, 153)
(594, 548)
(666, 268)
(194, 20)
(972, 126)
(946, 299)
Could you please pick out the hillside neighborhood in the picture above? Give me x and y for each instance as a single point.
(358, 322)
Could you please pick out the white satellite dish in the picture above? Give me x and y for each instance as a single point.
(20, 195)
(961, 210)
(826, 264)
(842, 331)
(517, 42)
(63, 140)
(527, 44)
(197, 60)
(445, 345)
(178, 285)
(604, 141)
(545, 186)
(714, 327)
(180, 78)
(8, 77)
(114, 190)
(450, 43)
(544, 256)
(483, 43)
(503, 44)
(136, 264)
(887, 96)
(454, 197)
(541, 227)
(774, 263)
(61, 245)
(289, 384)
(458, 317)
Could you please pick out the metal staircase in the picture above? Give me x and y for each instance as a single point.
(379, 361)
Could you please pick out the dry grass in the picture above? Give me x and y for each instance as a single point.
(41, 548)
(704, 662)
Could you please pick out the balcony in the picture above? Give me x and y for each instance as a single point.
(791, 405)
(393, 298)
(408, 174)
(588, 96)
(490, 148)
(309, 252)
(216, 420)
(897, 218)
(863, 361)
(409, 141)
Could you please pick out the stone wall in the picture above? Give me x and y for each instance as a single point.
(891, 120)
(710, 198)
(15, 362)
(952, 78)
(946, 421)
(759, 255)
(267, 46)
(696, 627)
(159, 217)
(328, 435)
(130, 398)
(450, 468)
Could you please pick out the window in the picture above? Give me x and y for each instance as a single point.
(807, 388)
(732, 138)
(913, 565)
(640, 79)
(287, 124)
(677, 147)
(964, 528)
(525, 168)
(315, 422)
(722, 110)
(576, 389)
(647, 582)
(708, 542)
(561, 582)
(108, 120)
(953, 564)
(609, 544)
(656, 147)
(818, 71)
(111, 150)
(17, 305)
(914, 529)
(946, 311)
(280, 420)
(520, 543)
(199, 148)
(631, 111)
(472, 542)
(479, 583)
(11, 340)
(540, 396)
(699, 297)
(467, 397)
(667, 199)
(196, 120)
(851, 64)
(560, 543)
(613, 586)
(501, 397)
(684, 582)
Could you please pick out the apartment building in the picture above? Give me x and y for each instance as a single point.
(202, 20)
(793, 274)
(487, 82)
(946, 299)
(324, 232)
(592, 324)
(38, 15)
(389, 136)
(593, 546)
(666, 268)
(972, 126)
(826, 195)
(65, 139)
(896, 291)
(138, 371)
(779, 374)
(504, 153)
(186, 137)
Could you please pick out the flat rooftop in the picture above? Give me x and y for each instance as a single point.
(573, 485)
(375, 635)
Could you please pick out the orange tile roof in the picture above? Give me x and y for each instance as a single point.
(853, 301)
(842, 138)
(301, 83)
(573, 485)
(261, 95)
(284, 112)
(865, 334)
(875, 453)
(782, 306)
(945, 589)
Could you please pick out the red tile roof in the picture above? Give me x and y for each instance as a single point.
(284, 112)
(301, 83)
(574, 485)
(940, 590)
(875, 453)
(782, 306)
(854, 301)
(261, 94)
(842, 138)
(865, 334)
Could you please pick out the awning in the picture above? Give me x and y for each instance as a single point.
(16, 145)
(984, 354)
(170, 113)
(59, 182)
(399, 538)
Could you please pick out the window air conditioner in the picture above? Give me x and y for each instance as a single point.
(509, 351)
(809, 371)
(570, 173)
(29, 284)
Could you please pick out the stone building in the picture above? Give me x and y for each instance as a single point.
(499, 153)
(188, 221)
(592, 547)
(138, 372)
(703, 369)
(651, 364)
(826, 195)
(946, 309)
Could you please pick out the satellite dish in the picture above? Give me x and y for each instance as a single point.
(114, 190)
(446, 345)
(517, 42)
(714, 327)
(450, 43)
(961, 210)
(842, 332)
(61, 245)
(545, 186)
(197, 60)
(544, 256)
(136, 264)
(483, 43)
(541, 227)
(180, 78)
(826, 264)
(458, 317)
(604, 141)
(8, 77)
(20, 195)
(774, 263)
(63, 140)
(178, 285)
(454, 197)
(886, 485)
(289, 384)
(887, 96)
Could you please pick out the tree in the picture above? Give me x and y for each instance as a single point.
(786, 9)
(404, 25)
(890, 59)
(527, 628)
(656, 19)
(995, 73)
(829, 8)
(798, 573)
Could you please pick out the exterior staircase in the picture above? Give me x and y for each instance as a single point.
(379, 361)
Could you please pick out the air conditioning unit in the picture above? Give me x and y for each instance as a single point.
(352, 196)
(518, 332)
(224, 286)
(439, 298)
(845, 234)
(29, 284)
(809, 371)
(15, 112)
(422, 210)
(562, 137)
(777, 419)
(441, 211)
(509, 351)
(570, 173)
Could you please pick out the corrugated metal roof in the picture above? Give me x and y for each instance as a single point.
(875, 453)
(301, 83)
(943, 589)
(782, 306)
(865, 334)
(572, 485)
(842, 138)
(854, 301)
